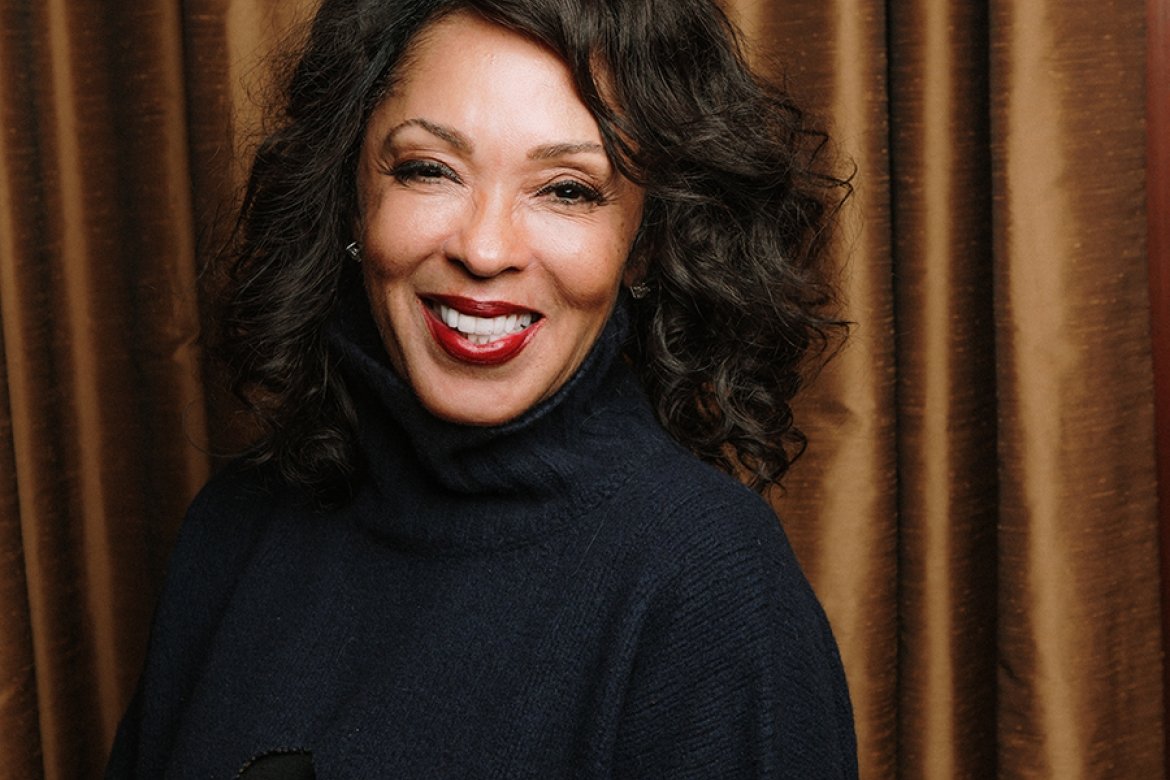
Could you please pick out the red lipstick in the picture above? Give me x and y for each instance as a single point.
(478, 308)
(456, 345)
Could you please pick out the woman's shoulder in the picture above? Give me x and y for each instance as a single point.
(687, 502)
(702, 536)
(229, 501)
(222, 525)
(731, 625)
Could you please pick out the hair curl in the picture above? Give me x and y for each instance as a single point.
(739, 197)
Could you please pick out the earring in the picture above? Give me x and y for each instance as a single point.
(355, 251)
(639, 291)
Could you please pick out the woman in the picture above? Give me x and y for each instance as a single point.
(474, 539)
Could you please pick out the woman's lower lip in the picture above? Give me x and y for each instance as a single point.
(493, 353)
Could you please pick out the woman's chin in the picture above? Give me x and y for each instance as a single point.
(476, 411)
(471, 395)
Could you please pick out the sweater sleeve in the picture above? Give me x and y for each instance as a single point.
(737, 674)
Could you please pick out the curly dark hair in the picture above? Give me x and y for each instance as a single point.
(740, 193)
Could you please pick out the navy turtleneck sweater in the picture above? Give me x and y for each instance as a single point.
(568, 595)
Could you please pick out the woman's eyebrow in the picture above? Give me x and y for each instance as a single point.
(443, 132)
(463, 143)
(551, 151)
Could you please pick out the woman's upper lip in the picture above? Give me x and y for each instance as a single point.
(479, 308)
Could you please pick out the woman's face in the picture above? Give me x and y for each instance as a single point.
(494, 228)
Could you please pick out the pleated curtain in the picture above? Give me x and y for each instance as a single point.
(978, 508)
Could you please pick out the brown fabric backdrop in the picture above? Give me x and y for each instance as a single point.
(1158, 217)
(978, 509)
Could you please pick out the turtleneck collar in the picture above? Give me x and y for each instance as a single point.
(435, 482)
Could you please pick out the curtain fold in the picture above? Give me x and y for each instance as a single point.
(102, 379)
(1158, 220)
(840, 502)
(941, 195)
(977, 508)
(1025, 558)
(227, 47)
(20, 738)
(1079, 663)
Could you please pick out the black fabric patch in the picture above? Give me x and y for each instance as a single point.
(283, 765)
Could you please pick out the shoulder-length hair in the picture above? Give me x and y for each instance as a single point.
(739, 196)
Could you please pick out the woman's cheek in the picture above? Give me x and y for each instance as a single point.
(583, 258)
(406, 229)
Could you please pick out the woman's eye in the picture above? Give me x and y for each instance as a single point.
(572, 192)
(422, 170)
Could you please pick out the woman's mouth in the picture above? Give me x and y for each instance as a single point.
(479, 332)
(483, 330)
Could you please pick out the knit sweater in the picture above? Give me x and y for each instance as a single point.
(570, 594)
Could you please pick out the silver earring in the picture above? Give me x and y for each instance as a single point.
(639, 290)
(355, 251)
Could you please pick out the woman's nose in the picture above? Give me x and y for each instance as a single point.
(487, 241)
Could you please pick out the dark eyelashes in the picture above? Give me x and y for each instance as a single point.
(415, 170)
(569, 191)
(566, 191)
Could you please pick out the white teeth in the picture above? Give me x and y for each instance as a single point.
(483, 330)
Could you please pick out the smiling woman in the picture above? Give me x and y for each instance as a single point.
(491, 526)
(495, 229)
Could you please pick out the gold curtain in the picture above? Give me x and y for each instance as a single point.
(117, 142)
(101, 383)
(977, 509)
